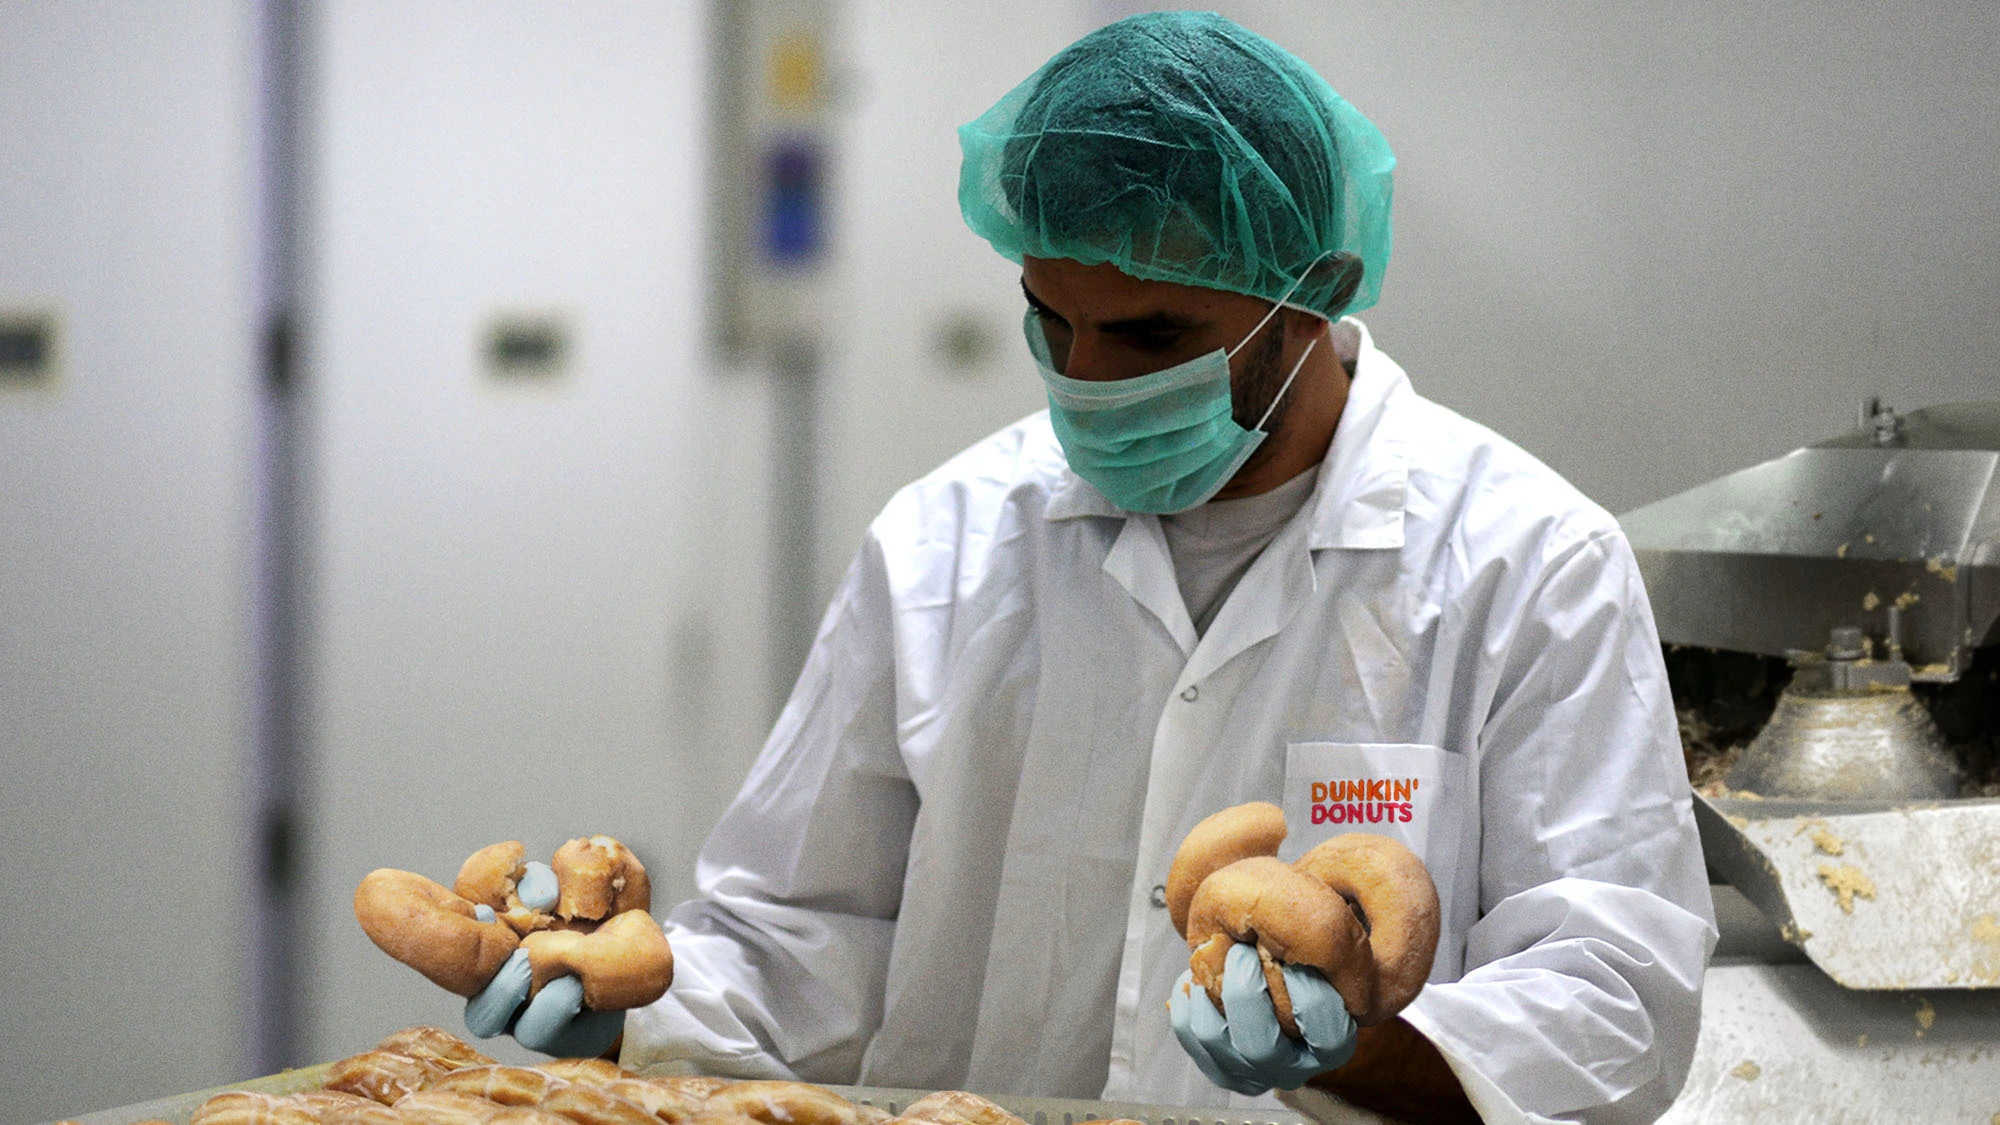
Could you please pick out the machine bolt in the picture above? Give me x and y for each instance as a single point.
(1881, 422)
(1847, 643)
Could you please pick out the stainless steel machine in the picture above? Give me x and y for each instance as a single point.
(1833, 628)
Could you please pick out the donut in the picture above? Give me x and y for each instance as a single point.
(323, 1102)
(1398, 903)
(956, 1107)
(507, 1085)
(382, 1076)
(241, 1107)
(695, 1085)
(586, 1072)
(527, 1115)
(1290, 917)
(721, 1117)
(595, 1105)
(491, 875)
(1218, 841)
(363, 1113)
(668, 1103)
(624, 963)
(432, 929)
(446, 1107)
(598, 877)
(1360, 908)
(435, 1044)
(783, 1103)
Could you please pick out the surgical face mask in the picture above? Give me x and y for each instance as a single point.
(1163, 442)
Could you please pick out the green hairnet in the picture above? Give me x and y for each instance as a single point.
(1178, 146)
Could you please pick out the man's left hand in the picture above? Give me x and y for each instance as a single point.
(1241, 1047)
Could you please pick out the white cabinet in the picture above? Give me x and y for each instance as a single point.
(127, 148)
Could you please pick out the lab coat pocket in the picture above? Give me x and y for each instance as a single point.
(1412, 793)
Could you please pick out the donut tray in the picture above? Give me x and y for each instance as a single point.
(1036, 1111)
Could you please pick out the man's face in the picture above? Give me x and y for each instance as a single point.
(1103, 324)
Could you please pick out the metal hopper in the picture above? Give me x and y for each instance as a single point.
(1872, 563)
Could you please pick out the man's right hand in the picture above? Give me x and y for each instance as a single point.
(1241, 1047)
(554, 1022)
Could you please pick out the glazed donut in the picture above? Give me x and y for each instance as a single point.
(695, 1085)
(432, 930)
(956, 1107)
(322, 1102)
(382, 1076)
(491, 876)
(598, 877)
(783, 1103)
(446, 1107)
(240, 1107)
(721, 1117)
(624, 963)
(507, 1085)
(586, 1072)
(668, 1103)
(435, 1044)
(527, 1115)
(363, 1113)
(1388, 885)
(595, 1105)
(1218, 841)
(1290, 917)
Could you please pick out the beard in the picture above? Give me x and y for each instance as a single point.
(1263, 378)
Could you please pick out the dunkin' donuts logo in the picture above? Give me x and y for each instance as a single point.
(1364, 800)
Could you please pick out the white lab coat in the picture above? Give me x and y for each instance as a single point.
(943, 870)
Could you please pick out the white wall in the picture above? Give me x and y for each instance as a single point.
(1654, 243)
(907, 266)
(506, 639)
(126, 203)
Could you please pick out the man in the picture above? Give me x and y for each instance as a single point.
(1237, 560)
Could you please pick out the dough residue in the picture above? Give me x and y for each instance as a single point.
(1746, 1070)
(1926, 1013)
(1846, 882)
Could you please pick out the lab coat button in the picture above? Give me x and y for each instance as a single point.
(1191, 694)
(1160, 895)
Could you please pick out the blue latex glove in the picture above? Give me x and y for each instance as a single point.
(1241, 1048)
(537, 887)
(555, 1022)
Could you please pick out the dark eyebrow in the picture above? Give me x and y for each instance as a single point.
(1151, 324)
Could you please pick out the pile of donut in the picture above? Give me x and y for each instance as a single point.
(600, 929)
(1360, 908)
(426, 1074)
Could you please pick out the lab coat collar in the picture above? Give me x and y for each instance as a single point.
(1364, 479)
